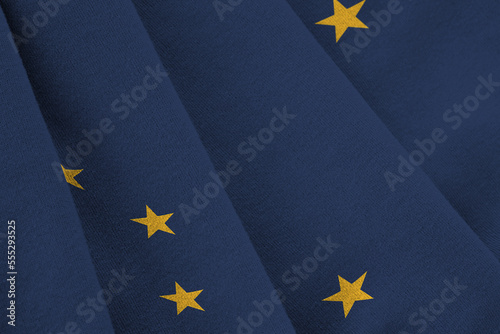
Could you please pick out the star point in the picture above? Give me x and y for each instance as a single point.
(154, 222)
(69, 175)
(344, 18)
(184, 299)
(349, 293)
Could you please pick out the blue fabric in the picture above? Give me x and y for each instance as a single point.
(245, 120)
(52, 268)
(412, 68)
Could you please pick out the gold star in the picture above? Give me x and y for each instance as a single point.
(344, 18)
(154, 222)
(69, 175)
(184, 299)
(349, 293)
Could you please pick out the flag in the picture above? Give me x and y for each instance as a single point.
(249, 167)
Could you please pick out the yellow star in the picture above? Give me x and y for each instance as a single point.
(184, 299)
(154, 222)
(349, 293)
(344, 18)
(69, 175)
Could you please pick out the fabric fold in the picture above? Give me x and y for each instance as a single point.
(113, 113)
(441, 76)
(47, 272)
(320, 176)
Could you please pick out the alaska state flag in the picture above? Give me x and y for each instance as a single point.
(240, 167)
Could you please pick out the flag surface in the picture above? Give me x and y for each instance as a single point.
(250, 167)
